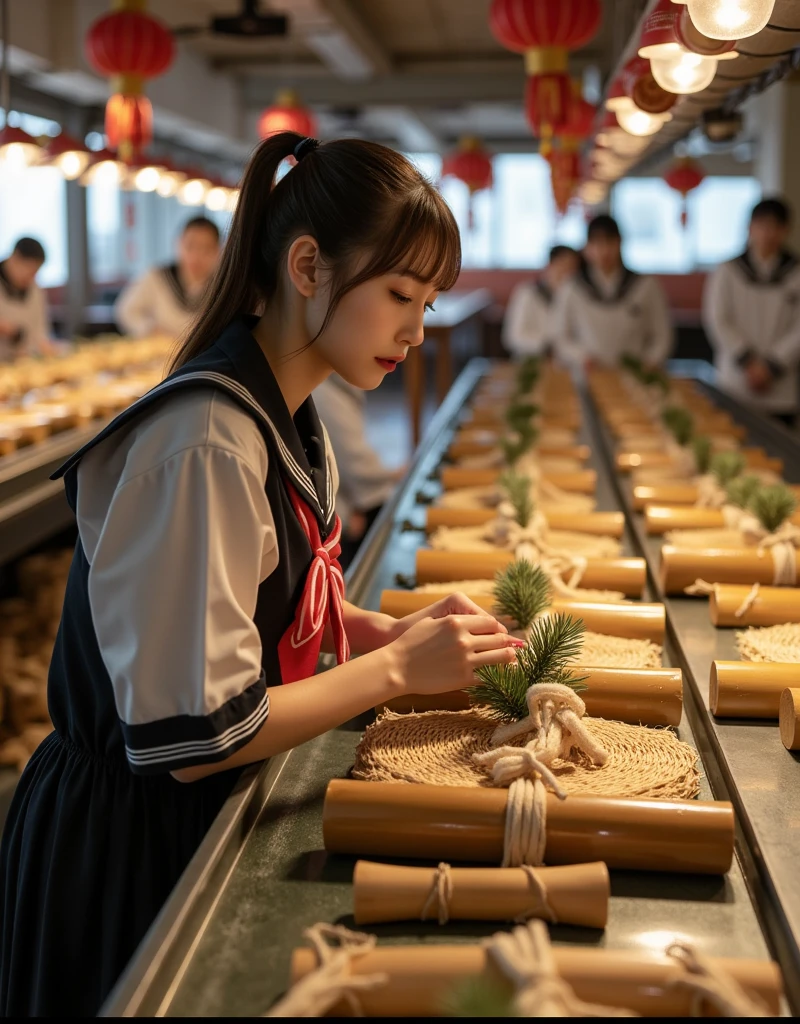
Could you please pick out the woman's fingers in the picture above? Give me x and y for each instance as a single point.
(494, 642)
(498, 656)
(458, 604)
(477, 624)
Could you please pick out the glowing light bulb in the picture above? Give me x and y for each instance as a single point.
(730, 19)
(683, 73)
(107, 172)
(168, 184)
(147, 179)
(19, 155)
(638, 122)
(217, 199)
(72, 164)
(193, 192)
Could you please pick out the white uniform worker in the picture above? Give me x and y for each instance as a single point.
(24, 329)
(365, 483)
(607, 311)
(165, 300)
(528, 323)
(752, 316)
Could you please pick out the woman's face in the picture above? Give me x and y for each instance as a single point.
(372, 328)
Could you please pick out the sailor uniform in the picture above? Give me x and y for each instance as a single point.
(528, 328)
(604, 318)
(157, 303)
(26, 310)
(752, 308)
(205, 572)
(365, 483)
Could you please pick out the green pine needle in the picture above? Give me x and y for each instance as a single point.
(518, 443)
(518, 491)
(552, 643)
(521, 592)
(478, 996)
(772, 506)
(679, 422)
(528, 374)
(741, 489)
(727, 465)
(633, 364)
(701, 447)
(520, 414)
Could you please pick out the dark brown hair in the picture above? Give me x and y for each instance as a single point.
(354, 198)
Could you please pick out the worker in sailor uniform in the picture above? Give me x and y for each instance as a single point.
(607, 311)
(528, 323)
(751, 313)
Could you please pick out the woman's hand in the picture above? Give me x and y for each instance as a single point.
(453, 604)
(437, 654)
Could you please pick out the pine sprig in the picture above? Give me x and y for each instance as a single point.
(528, 373)
(478, 996)
(741, 489)
(727, 465)
(515, 445)
(552, 643)
(679, 422)
(520, 414)
(701, 448)
(521, 592)
(772, 506)
(518, 492)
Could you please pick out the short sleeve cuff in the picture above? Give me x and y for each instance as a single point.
(167, 745)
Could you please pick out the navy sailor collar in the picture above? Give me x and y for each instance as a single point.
(626, 282)
(236, 358)
(786, 263)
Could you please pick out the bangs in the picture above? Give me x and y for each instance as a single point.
(423, 241)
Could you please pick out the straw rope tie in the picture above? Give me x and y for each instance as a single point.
(748, 602)
(332, 981)
(440, 895)
(708, 984)
(525, 957)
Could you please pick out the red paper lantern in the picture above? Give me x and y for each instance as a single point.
(287, 114)
(684, 176)
(130, 46)
(545, 31)
(472, 165)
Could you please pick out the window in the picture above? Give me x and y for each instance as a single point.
(649, 216)
(33, 202)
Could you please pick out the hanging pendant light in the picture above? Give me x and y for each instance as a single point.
(730, 19)
(170, 180)
(142, 174)
(683, 73)
(639, 122)
(193, 191)
(69, 155)
(218, 196)
(104, 168)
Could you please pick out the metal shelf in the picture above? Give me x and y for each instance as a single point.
(221, 944)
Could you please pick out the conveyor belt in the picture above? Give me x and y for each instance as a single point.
(222, 943)
(746, 760)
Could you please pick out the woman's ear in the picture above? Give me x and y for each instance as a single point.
(302, 265)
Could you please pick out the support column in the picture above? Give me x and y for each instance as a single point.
(773, 118)
(78, 288)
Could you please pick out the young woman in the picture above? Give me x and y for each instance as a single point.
(205, 571)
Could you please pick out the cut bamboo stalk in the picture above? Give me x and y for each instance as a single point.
(749, 689)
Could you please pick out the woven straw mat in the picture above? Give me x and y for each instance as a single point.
(770, 643)
(436, 747)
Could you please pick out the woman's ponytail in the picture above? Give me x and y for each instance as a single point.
(235, 288)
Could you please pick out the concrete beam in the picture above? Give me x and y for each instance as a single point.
(333, 31)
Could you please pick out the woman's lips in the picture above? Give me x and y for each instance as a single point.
(388, 364)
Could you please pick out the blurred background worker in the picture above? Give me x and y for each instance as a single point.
(24, 329)
(607, 311)
(365, 483)
(164, 300)
(528, 323)
(752, 316)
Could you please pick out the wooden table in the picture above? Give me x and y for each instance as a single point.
(452, 310)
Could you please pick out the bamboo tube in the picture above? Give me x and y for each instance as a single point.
(462, 447)
(599, 524)
(772, 606)
(458, 823)
(420, 978)
(789, 718)
(663, 494)
(749, 689)
(659, 519)
(637, 696)
(681, 567)
(583, 481)
(577, 894)
(623, 574)
(492, 416)
(634, 621)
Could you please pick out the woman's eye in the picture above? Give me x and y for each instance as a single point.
(403, 299)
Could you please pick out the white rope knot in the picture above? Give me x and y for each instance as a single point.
(440, 895)
(709, 985)
(336, 947)
(701, 588)
(525, 957)
(748, 602)
(709, 492)
(554, 716)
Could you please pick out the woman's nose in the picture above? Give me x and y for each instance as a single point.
(415, 333)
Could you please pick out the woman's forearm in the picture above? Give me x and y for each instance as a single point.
(366, 631)
(309, 707)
